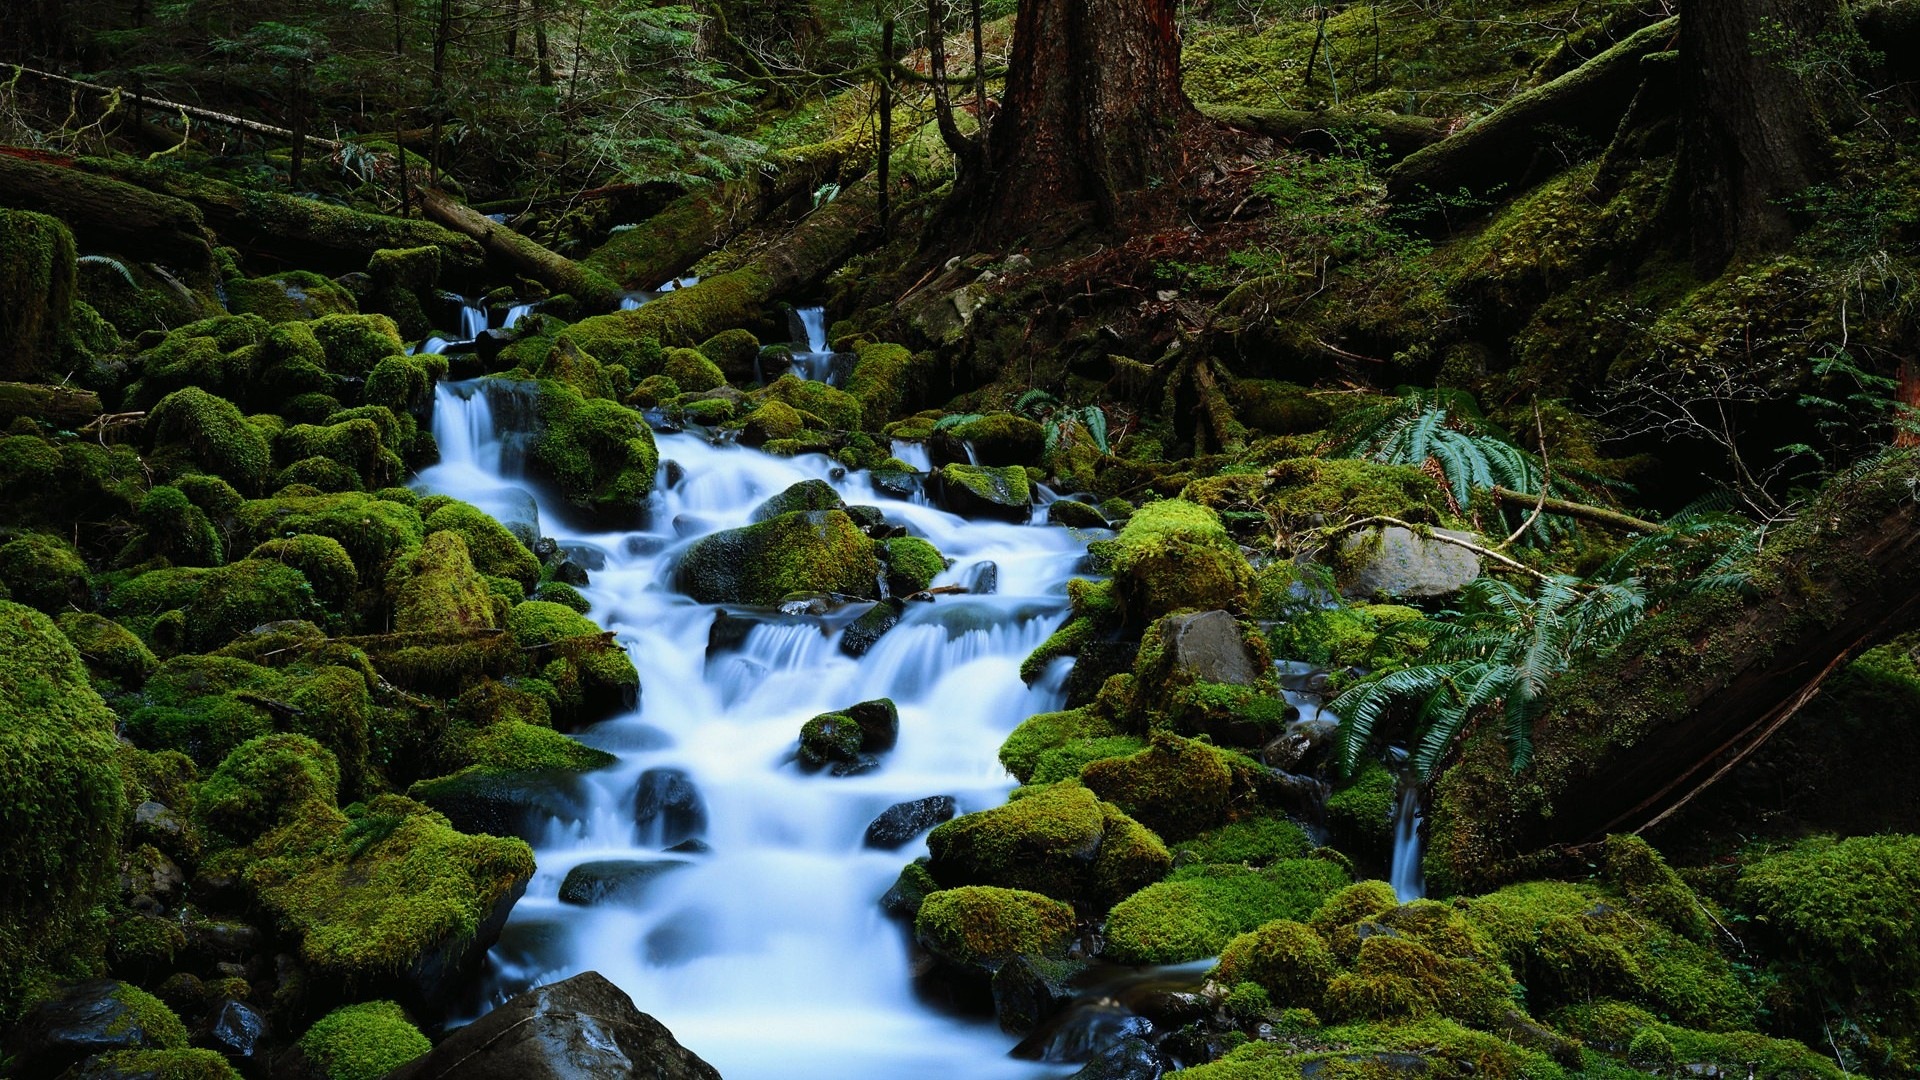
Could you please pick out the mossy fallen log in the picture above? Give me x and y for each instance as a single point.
(1334, 129)
(1695, 687)
(63, 406)
(562, 275)
(1500, 149)
(106, 214)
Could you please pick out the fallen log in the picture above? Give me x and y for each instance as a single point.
(1500, 149)
(1695, 688)
(108, 215)
(560, 274)
(63, 406)
(1334, 129)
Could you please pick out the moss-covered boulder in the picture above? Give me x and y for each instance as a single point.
(598, 453)
(436, 588)
(263, 784)
(114, 655)
(1059, 840)
(37, 292)
(104, 1017)
(240, 596)
(888, 380)
(840, 410)
(296, 295)
(1285, 957)
(371, 529)
(994, 439)
(1173, 556)
(982, 927)
(1360, 811)
(390, 899)
(1042, 733)
(802, 552)
(321, 560)
(363, 1042)
(62, 804)
(45, 572)
(191, 429)
(1177, 787)
(912, 564)
(592, 677)
(734, 352)
(1197, 911)
(1005, 493)
(807, 496)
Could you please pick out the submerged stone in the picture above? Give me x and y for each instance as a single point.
(898, 824)
(614, 881)
(667, 807)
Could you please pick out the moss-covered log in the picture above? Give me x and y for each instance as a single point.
(1501, 148)
(63, 406)
(108, 215)
(562, 275)
(1329, 130)
(1695, 687)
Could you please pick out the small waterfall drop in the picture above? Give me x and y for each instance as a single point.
(753, 930)
(473, 321)
(1409, 883)
(814, 362)
(515, 314)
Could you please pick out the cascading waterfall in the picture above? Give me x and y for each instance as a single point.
(473, 321)
(515, 314)
(757, 938)
(815, 362)
(1409, 883)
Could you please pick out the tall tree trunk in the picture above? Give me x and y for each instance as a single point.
(1750, 134)
(1094, 118)
(543, 63)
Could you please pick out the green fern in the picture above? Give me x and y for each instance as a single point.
(1496, 655)
(954, 420)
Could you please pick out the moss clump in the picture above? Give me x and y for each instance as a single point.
(37, 289)
(1347, 637)
(986, 490)
(1001, 439)
(984, 926)
(363, 1042)
(887, 380)
(178, 1064)
(692, 371)
(1058, 840)
(591, 677)
(1253, 842)
(263, 783)
(175, 529)
(1630, 1032)
(1306, 490)
(839, 409)
(734, 351)
(45, 572)
(1200, 909)
(296, 295)
(371, 529)
(830, 738)
(192, 429)
(807, 495)
(816, 552)
(1360, 814)
(385, 891)
(1065, 762)
(1571, 942)
(436, 588)
(240, 596)
(1044, 732)
(518, 746)
(112, 653)
(1177, 787)
(61, 801)
(772, 421)
(1285, 958)
(320, 559)
(912, 564)
(1174, 556)
(599, 453)
(355, 445)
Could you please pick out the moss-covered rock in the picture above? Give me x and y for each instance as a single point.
(1174, 556)
(363, 1042)
(191, 429)
(321, 560)
(371, 529)
(1177, 787)
(986, 491)
(839, 409)
(240, 596)
(263, 784)
(592, 678)
(734, 352)
(1304, 491)
(37, 291)
(437, 588)
(1286, 958)
(294, 295)
(180, 1064)
(1200, 909)
(598, 453)
(115, 657)
(1059, 840)
(1646, 1043)
(983, 927)
(1360, 812)
(1343, 637)
(807, 495)
(356, 445)
(1042, 733)
(61, 803)
(888, 380)
(817, 552)
(997, 439)
(692, 371)
(45, 572)
(912, 564)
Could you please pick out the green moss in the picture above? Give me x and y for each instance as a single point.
(192, 429)
(372, 530)
(822, 551)
(599, 453)
(1303, 490)
(1043, 732)
(1177, 787)
(1065, 762)
(829, 738)
(1002, 439)
(518, 746)
(37, 289)
(112, 653)
(1174, 556)
(1570, 943)
(1343, 637)
(1045, 843)
(772, 421)
(383, 891)
(437, 588)
(887, 380)
(986, 488)
(294, 295)
(838, 408)
(1285, 958)
(986, 926)
(354, 444)
(240, 596)
(735, 352)
(363, 1042)
(61, 801)
(912, 564)
(45, 572)
(1255, 842)
(692, 371)
(263, 784)
(177, 1064)
(1197, 912)
(1623, 1030)
(592, 676)
(1360, 814)
(175, 529)
(403, 383)
(320, 559)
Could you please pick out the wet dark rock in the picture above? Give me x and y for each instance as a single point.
(1210, 647)
(506, 804)
(896, 484)
(898, 824)
(614, 881)
(1302, 746)
(1075, 515)
(546, 548)
(861, 763)
(83, 1020)
(581, 1027)
(902, 899)
(667, 807)
(847, 740)
(211, 941)
(1084, 1032)
(489, 344)
(1098, 660)
(673, 472)
(984, 579)
(568, 572)
(867, 629)
(728, 633)
(586, 556)
(805, 495)
(234, 1028)
(1029, 990)
(1128, 1059)
(879, 722)
(868, 517)
(691, 847)
(661, 421)
(983, 491)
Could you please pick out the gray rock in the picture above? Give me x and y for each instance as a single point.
(1397, 564)
(898, 824)
(236, 1029)
(895, 484)
(1075, 515)
(667, 807)
(614, 881)
(1209, 645)
(581, 1027)
(1301, 746)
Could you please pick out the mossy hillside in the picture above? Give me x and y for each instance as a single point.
(1174, 556)
(61, 803)
(800, 552)
(984, 926)
(389, 890)
(37, 291)
(363, 1042)
(1197, 911)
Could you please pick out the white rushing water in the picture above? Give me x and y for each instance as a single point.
(1409, 882)
(767, 953)
(815, 360)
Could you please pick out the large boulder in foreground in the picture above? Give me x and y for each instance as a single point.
(820, 551)
(583, 1026)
